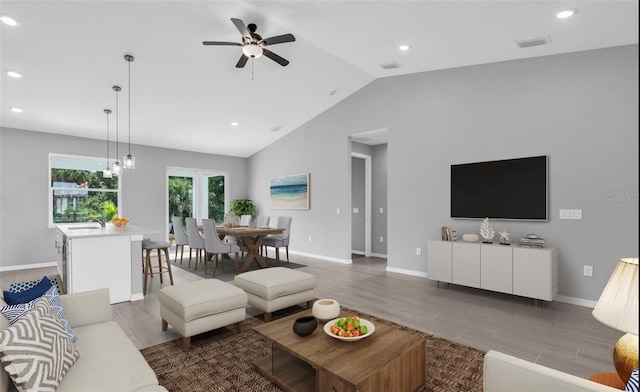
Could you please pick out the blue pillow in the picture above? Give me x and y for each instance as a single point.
(28, 295)
(14, 312)
(632, 385)
(17, 287)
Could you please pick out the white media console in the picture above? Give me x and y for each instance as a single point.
(527, 272)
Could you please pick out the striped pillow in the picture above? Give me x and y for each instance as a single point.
(14, 312)
(36, 351)
(632, 384)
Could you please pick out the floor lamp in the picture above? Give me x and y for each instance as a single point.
(618, 308)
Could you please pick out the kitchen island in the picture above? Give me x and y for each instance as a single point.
(92, 257)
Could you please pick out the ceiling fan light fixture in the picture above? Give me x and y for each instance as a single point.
(252, 51)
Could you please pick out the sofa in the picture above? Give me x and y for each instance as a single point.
(108, 360)
(505, 373)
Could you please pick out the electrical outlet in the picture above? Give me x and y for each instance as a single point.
(381, 239)
(356, 210)
(309, 238)
(570, 214)
(588, 270)
(418, 251)
(338, 210)
(381, 210)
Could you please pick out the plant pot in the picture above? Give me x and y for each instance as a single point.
(304, 326)
(326, 309)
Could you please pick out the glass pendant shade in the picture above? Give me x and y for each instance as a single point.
(106, 173)
(116, 168)
(129, 162)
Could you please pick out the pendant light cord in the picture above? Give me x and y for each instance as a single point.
(129, 92)
(107, 111)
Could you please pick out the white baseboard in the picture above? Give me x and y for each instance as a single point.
(407, 272)
(576, 301)
(321, 257)
(136, 297)
(27, 266)
(380, 255)
(357, 252)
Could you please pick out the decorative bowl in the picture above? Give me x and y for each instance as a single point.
(304, 326)
(326, 309)
(120, 221)
(470, 237)
(370, 330)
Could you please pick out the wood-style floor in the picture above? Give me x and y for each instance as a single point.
(558, 335)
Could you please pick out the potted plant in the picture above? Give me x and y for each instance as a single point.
(243, 207)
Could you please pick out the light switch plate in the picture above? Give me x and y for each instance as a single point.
(570, 214)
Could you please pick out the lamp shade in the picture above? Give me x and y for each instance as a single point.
(618, 304)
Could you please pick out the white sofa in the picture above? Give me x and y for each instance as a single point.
(109, 361)
(505, 373)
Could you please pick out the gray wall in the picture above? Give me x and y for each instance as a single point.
(580, 109)
(26, 239)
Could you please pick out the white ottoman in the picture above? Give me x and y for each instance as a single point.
(276, 288)
(201, 306)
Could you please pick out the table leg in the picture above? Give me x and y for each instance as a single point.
(253, 252)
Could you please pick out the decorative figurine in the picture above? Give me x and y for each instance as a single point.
(486, 231)
(504, 237)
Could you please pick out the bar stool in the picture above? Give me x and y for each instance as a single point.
(148, 270)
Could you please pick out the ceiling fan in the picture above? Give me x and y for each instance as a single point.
(253, 45)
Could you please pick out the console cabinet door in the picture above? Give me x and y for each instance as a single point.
(496, 267)
(466, 264)
(439, 261)
(535, 273)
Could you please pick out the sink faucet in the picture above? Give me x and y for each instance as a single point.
(101, 221)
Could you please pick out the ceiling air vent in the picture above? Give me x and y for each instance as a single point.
(390, 65)
(276, 128)
(526, 43)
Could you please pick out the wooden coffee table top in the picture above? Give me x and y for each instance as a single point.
(354, 361)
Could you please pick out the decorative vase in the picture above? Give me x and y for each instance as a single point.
(304, 326)
(326, 309)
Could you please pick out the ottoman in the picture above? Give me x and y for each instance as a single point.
(276, 288)
(201, 306)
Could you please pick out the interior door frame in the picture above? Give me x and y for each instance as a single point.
(367, 201)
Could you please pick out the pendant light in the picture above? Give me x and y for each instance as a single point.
(116, 169)
(129, 161)
(106, 173)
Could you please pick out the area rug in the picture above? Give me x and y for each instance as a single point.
(221, 360)
(226, 270)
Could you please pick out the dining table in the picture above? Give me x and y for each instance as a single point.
(251, 238)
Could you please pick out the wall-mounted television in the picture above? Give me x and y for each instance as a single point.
(510, 189)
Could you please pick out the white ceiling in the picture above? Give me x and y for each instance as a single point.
(185, 95)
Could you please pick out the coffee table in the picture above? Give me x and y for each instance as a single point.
(389, 359)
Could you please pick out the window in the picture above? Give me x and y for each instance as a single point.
(78, 192)
(196, 193)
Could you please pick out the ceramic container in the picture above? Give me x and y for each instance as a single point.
(470, 238)
(326, 309)
(304, 326)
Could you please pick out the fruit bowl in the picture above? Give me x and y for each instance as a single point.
(370, 330)
(119, 221)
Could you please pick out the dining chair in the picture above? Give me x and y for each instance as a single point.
(263, 221)
(279, 240)
(180, 237)
(245, 220)
(196, 242)
(214, 246)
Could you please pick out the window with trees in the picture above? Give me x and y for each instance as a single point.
(78, 192)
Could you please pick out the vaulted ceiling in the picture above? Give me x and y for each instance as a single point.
(185, 95)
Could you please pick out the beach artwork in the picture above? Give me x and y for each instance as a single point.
(289, 192)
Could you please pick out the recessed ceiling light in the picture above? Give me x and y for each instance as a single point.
(566, 13)
(234, 124)
(15, 110)
(13, 74)
(8, 20)
(404, 48)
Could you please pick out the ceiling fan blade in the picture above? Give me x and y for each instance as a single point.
(279, 39)
(221, 43)
(242, 28)
(242, 61)
(274, 57)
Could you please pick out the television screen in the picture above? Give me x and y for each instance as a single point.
(511, 189)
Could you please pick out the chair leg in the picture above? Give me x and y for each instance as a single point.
(160, 265)
(236, 262)
(166, 253)
(189, 265)
(186, 343)
(215, 264)
(197, 257)
(277, 256)
(287, 247)
(181, 253)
